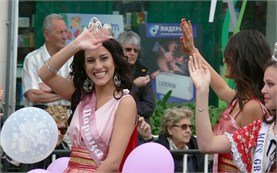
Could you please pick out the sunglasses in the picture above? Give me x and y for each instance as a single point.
(129, 49)
(184, 126)
(63, 130)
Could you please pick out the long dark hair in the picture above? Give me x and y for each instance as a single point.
(122, 68)
(246, 53)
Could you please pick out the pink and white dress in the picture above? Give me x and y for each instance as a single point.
(90, 133)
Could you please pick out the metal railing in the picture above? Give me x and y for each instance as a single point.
(185, 154)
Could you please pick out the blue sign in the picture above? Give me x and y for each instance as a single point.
(165, 30)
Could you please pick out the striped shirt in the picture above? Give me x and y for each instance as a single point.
(30, 79)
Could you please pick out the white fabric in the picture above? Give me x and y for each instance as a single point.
(236, 154)
(30, 79)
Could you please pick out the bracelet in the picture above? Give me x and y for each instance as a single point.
(51, 69)
(200, 109)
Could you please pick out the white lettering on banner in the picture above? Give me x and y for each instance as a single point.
(259, 160)
(181, 86)
(93, 147)
(260, 140)
(170, 29)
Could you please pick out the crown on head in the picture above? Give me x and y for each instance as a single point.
(96, 21)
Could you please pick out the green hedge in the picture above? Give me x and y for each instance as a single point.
(162, 105)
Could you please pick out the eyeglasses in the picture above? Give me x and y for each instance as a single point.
(63, 130)
(184, 126)
(129, 49)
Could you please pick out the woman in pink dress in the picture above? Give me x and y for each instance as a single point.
(245, 55)
(104, 118)
(253, 146)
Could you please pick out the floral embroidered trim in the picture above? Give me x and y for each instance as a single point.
(236, 154)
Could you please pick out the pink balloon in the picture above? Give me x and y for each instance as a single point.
(59, 165)
(38, 171)
(149, 157)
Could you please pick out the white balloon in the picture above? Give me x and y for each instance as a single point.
(29, 135)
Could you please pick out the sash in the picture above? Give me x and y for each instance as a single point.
(86, 115)
(258, 165)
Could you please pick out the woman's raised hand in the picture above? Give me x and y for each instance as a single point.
(199, 73)
(187, 39)
(92, 37)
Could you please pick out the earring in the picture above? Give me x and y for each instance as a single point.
(117, 80)
(88, 85)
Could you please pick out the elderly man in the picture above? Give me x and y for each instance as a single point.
(35, 91)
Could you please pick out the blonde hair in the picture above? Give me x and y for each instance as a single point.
(59, 113)
(172, 116)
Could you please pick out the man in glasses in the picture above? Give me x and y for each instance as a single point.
(142, 88)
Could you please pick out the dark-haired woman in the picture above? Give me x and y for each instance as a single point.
(245, 55)
(101, 128)
(254, 146)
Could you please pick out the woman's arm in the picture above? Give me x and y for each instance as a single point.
(124, 126)
(207, 141)
(88, 39)
(220, 87)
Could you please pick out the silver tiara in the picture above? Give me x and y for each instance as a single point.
(96, 21)
(274, 56)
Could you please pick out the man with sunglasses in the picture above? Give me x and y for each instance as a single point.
(142, 88)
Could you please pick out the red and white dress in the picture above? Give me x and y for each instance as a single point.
(227, 123)
(244, 143)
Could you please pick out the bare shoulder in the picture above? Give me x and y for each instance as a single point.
(251, 111)
(127, 100)
(127, 104)
(252, 106)
(127, 109)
